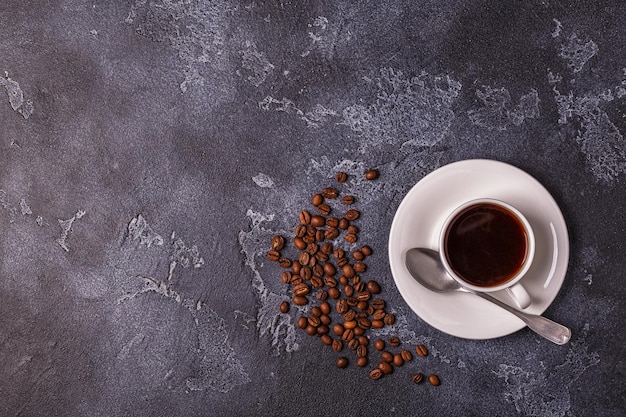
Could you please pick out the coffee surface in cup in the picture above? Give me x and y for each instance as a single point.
(486, 245)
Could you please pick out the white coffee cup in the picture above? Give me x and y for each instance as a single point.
(487, 245)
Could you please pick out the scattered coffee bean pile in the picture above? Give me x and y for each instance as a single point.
(325, 273)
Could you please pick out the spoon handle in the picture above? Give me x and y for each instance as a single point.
(554, 332)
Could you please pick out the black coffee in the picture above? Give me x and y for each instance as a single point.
(485, 245)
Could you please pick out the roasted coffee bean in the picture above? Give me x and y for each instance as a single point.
(331, 233)
(358, 255)
(299, 300)
(323, 209)
(348, 271)
(361, 362)
(341, 177)
(359, 331)
(312, 248)
(350, 324)
(364, 323)
(343, 280)
(359, 286)
(371, 174)
(317, 221)
(327, 248)
(349, 315)
(318, 270)
(378, 324)
(341, 262)
(376, 374)
(348, 200)
(379, 344)
(326, 339)
(353, 229)
(417, 378)
(434, 380)
(330, 192)
(341, 306)
(309, 239)
(312, 261)
(378, 314)
(361, 314)
(316, 311)
(273, 255)
(302, 322)
(421, 350)
(311, 230)
(325, 307)
(362, 305)
(406, 355)
(370, 310)
(322, 295)
(337, 345)
(334, 293)
(352, 301)
(322, 329)
(361, 351)
(385, 367)
(310, 330)
(352, 214)
(300, 230)
(389, 319)
(348, 335)
(305, 273)
(296, 279)
(359, 267)
(284, 307)
(321, 257)
(353, 344)
(325, 319)
(295, 267)
(284, 262)
(350, 238)
(332, 222)
(317, 199)
(316, 282)
(278, 242)
(377, 303)
(285, 277)
(394, 341)
(299, 243)
(373, 287)
(364, 341)
(397, 360)
(330, 282)
(363, 296)
(329, 269)
(348, 290)
(338, 329)
(367, 251)
(343, 223)
(342, 362)
(305, 217)
(314, 321)
(386, 356)
(319, 235)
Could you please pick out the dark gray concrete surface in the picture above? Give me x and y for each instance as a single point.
(149, 150)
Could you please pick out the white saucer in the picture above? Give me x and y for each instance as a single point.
(417, 224)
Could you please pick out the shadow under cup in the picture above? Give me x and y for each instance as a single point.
(487, 245)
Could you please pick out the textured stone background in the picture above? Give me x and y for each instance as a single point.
(149, 149)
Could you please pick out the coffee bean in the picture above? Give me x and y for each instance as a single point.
(327, 248)
(342, 362)
(434, 380)
(316, 281)
(359, 286)
(299, 243)
(338, 329)
(339, 253)
(321, 257)
(285, 277)
(305, 217)
(299, 300)
(367, 251)
(310, 330)
(305, 272)
(284, 262)
(330, 282)
(348, 200)
(378, 324)
(301, 289)
(326, 339)
(341, 306)
(325, 308)
(394, 341)
(332, 222)
(377, 303)
(359, 267)
(364, 341)
(323, 209)
(349, 315)
(364, 323)
(316, 311)
(357, 255)
(364, 296)
(421, 350)
(350, 324)
(353, 229)
(353, 344)
(278, 242)
(379, 344)
(417, 378)
(273, 255)
(350, 238)
(317, 199)
(341, 262)
(406, 355)
(376, 374)
(389, 319)
(322, 295)
(296, 279)
(312, 248)
(348, 271)
(302, 322)
(341, 177)
(331, 233)
(300, 230)
(284, 307)
(348, 335)
(352, 214)
(314, 321)
(343, 223)
(373, 287)
(337, 345)
(361, 362)
(318, 221)
(330, 192)
(322, 329)
(361, 351)
(334, 293)
(359, 331)
(386, 356)
(397, 360)
(371, 174)
(325, 319)
(343, 280)
(385, 367)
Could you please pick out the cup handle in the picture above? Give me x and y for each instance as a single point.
(519, 294)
